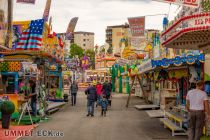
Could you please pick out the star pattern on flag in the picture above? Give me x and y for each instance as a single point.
(36, 26)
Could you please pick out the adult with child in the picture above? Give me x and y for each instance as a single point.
(106, 89)
(91, 98)
(99, 91)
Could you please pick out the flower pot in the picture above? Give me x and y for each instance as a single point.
(6, 120)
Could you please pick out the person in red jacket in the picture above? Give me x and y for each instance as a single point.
(99, 92)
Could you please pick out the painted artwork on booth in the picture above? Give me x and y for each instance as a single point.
(11, 97)
(17, 31)
(3, 21)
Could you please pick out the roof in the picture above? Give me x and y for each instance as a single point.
(83, 32)
(118, 26)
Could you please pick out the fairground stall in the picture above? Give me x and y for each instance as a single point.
(188, 31)
(33, 52)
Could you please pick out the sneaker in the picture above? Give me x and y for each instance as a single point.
(92, 115)
(88, 115)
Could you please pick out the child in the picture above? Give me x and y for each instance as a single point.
(104, 104)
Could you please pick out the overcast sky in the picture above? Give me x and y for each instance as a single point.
(95, 15)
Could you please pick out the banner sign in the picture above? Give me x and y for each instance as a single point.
(178, 61)
(145, 66)
(189, 3)
(29, 68)
(138, 42)
(191, 23)
(26, 1)
(137, 26)
(47, 10)
(123, 62)
(71, 27)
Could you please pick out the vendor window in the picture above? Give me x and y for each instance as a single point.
(8, 82)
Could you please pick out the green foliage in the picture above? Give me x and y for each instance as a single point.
(103, 50)
(76, 50)
(110, 50)
(206, 5)
(91, 54)
(7, 107)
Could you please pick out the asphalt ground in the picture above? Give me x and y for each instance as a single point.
(121, 123)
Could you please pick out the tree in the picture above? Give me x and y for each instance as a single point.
(110, 50)
(91, 54)
(76, 50)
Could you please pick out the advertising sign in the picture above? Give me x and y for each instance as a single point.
(137, 26)
(123, 62)
(192, 23)
(26, 1)
(138, 42)
(189, 3)
(71, 27)
(145, 66)
(47, 10)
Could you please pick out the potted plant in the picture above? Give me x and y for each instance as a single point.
(7, 108)
(65, 97)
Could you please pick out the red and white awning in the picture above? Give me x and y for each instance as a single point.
(190, 32)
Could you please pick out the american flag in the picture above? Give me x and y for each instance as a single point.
(31, 38)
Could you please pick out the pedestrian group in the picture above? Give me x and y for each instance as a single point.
(101, 94)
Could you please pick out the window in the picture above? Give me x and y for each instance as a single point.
(84, 39)
(8, 83)
(84, 45)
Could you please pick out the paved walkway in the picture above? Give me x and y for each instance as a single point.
(120, 123)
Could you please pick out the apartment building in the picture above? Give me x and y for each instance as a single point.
(84, 39)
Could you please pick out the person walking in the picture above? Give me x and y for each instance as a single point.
(73, 89)
(99, 92)
(91, 98)
(103, 103)
(106, 89)
(197, 105)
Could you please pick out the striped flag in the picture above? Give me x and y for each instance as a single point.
(31, 38)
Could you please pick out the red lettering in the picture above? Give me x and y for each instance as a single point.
(13, 133)
(191, 1)
(206, 20)
(20, 133)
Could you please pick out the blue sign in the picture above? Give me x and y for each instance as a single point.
(178, 61)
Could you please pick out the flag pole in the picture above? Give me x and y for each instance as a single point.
(10, 17)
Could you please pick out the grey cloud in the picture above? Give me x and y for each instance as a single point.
(94, 15)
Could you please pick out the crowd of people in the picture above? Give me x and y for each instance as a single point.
(101, 94)
(96, 93)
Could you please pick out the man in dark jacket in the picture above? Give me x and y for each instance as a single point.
(73, 89)
(106, 89)
(91, 98)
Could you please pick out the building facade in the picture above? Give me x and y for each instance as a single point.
(114, 35)
(84, 39)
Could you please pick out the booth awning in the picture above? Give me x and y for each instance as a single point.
(190, 32)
